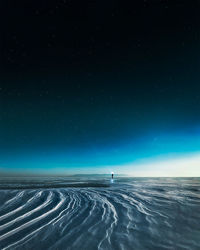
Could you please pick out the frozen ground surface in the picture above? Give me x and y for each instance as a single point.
(92, 213)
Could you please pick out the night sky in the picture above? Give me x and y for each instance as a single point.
(94, 86)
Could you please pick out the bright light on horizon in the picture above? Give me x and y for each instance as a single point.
(179, 166)
(187, 166)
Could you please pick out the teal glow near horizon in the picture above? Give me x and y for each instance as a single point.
(133, 154)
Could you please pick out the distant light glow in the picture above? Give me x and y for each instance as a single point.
(167, 155)
(186, 166)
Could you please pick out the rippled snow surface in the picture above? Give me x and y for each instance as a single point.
(92, 213)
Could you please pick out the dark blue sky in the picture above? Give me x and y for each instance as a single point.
(98, 84)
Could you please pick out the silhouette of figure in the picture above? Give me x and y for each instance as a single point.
(112, 175)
